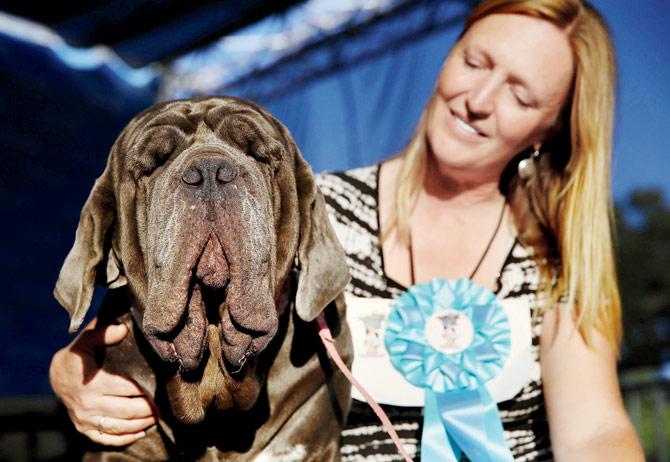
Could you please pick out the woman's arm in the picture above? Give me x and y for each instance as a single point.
(107, 408)
(587, 419)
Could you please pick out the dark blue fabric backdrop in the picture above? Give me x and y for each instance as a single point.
(56, 128)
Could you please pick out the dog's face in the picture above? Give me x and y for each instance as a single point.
(202, 210)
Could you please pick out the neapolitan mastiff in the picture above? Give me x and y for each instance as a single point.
(201, 223)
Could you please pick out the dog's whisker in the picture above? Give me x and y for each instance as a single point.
(247, 354)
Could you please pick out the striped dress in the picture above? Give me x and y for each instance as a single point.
(351, 200)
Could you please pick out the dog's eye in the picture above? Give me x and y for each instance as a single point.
(268, 151)
(253, 140)
(154, 148)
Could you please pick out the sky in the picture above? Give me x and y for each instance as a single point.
(642, 41)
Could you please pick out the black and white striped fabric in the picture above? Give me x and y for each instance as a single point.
(351, 200)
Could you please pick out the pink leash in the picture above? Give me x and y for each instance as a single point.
(329, 343)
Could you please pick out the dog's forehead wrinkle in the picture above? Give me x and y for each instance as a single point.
(204, 134)
(246, 127)
(178, 115)
(197, 111)
(155, 148)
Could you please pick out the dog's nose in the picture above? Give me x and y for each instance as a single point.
(212, 170)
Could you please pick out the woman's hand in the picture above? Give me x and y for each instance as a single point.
(109, 409)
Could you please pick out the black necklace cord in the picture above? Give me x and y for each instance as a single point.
(481, 259)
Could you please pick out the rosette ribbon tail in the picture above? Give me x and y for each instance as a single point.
(463, 421)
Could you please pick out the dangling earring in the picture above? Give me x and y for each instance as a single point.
(526, 166)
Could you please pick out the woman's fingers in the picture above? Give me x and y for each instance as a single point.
(114, 333)
(113, 409)
(100, 336)
(116, 396)
(124, 408)
(107, 439)
(107, 384)
(113, 420)
(119, 427)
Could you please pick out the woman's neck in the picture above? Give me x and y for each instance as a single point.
(441, 187)
(451, 224)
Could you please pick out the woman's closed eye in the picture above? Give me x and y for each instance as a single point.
(473, 62)
(521, 97)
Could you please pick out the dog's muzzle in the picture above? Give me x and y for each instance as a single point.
(219, 285)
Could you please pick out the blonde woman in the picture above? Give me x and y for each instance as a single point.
(505, 183)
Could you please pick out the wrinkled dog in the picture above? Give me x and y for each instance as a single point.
(208, 229)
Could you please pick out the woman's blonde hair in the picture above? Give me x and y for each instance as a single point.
(564, 211)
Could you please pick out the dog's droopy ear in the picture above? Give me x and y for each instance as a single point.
(323, 266)
(74, 288)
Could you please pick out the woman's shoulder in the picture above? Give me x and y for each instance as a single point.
(358, 182)
(367, 175)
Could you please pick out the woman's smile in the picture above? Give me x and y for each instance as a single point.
(460, 126)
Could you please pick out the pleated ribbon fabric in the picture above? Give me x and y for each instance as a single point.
(450, 338)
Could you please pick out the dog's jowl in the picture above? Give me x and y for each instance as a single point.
(209, 232)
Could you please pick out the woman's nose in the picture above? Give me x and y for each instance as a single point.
(480, 100)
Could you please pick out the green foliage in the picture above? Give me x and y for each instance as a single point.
(646, 395)
(643, 254)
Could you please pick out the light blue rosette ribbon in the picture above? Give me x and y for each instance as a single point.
(459, 414)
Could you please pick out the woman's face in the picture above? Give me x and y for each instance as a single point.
(500, 91)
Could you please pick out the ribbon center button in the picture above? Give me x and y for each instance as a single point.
(449, 331)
